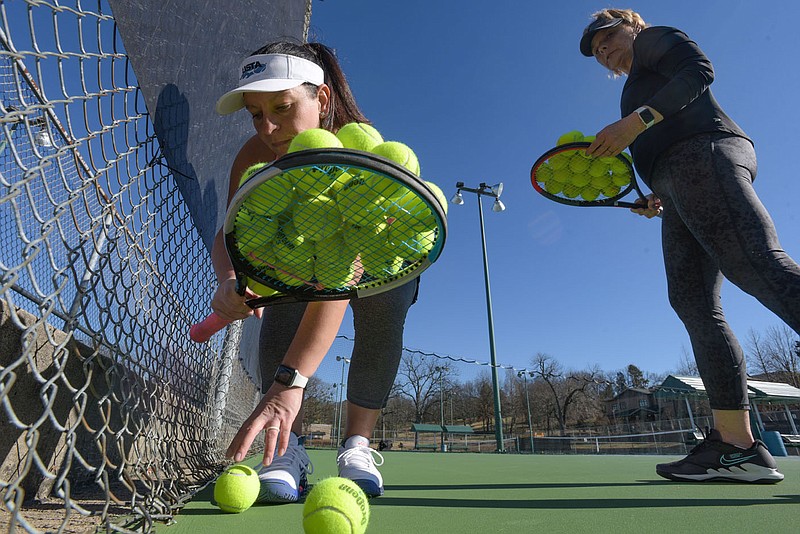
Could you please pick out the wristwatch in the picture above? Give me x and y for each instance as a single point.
(646, 116)
(289, 377)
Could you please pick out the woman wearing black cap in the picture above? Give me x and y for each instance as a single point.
(700, 166)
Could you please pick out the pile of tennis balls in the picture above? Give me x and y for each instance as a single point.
(574, 174)
(320, 222)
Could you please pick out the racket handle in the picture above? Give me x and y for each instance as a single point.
(202, 331)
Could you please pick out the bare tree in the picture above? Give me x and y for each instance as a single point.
(565, 388)
(687, 366)
(775, 354)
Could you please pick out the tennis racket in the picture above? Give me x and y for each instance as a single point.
(329, 224)
(567, 175)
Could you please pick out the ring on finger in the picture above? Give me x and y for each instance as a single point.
(273, 428)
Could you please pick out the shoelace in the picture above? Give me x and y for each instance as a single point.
(292, 457)
(360, 457)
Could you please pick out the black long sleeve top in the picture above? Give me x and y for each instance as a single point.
(672, 75)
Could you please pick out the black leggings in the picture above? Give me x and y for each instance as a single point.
(378, 323)
(714, 225)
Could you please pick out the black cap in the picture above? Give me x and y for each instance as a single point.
(590, 31)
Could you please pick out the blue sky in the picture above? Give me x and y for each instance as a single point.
(479, 90)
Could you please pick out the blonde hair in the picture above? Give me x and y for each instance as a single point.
(629, 18)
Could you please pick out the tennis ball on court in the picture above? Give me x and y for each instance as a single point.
(236, 489)
(399, 153)
(336, 506)
(335, 266)
(359, 136)
(316, 218)
(570, 137)
(314, 138)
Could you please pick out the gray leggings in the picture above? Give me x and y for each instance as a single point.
(714, 225)
(378, 324)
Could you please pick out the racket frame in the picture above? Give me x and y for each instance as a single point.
(330, 157)
(614, 201)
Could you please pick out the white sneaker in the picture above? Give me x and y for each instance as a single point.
(356, 461)
(284, 480)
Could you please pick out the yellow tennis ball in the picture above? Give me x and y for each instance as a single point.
(439, 194)
(399, 153)
(559, 161)
(553, 187)
(316, 218)
(590, 193)
(359, 204)
(545, 173)
(336, 506)
(578, 163)
(334, 265)
(314, 181)
(409, 243)
(563, 175)
(236, 489)
(359, 136)
(250, 171)
(589, 138)
(294, 258)
(271, 197)
(598, 168)
(571, 191)
(570, 137)
(253, 232)
(610, 191)
(260, 289)
(314, 138)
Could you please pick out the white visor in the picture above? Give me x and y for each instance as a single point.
(268, 73)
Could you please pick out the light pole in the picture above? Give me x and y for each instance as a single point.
(340, 401)
(440, 370)
(524, 374)
(491, 191)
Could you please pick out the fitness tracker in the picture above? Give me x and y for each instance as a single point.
(646, 116)
(289, 377)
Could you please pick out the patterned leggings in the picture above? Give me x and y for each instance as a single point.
(714, 225)
(378, 325)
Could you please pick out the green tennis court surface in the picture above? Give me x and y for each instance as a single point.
(443, 493)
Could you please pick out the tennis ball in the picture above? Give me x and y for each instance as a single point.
(589, 138)
(563, 175)
(439, 194)
(545, 173)
(570, 137)
(590, 193)
(236, 489)
(571, 191)
(334, 266)
(359, 136)
(260, 289)
(553, 187)
(578, 163)
(598, 168)
(294, 258)
(601, 181)
(559, 161)
(409, 243)
(271, 197)
(359, 204)
(253, 232)
(316, 218)
(361, 238)
(399, 153)
(314, 181)
(336, 506)
(250, 171)
(610, 191)
(314, 138)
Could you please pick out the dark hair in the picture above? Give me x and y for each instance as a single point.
(342, 108)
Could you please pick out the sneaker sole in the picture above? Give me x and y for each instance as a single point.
(754, 474)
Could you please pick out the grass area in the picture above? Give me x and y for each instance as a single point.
(477, 493)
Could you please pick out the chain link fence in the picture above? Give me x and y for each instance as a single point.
(110, 415)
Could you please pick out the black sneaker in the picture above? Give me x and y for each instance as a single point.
(715, 460)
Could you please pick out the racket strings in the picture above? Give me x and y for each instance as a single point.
(329, 229)
(572, 175)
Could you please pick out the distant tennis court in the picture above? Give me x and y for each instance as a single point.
(476, 493)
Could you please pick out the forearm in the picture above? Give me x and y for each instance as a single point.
(220, 260)
(315, 335)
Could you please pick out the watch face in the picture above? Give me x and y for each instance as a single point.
(284, 375)
(647, 116)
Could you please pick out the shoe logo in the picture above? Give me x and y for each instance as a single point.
(734, 459)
